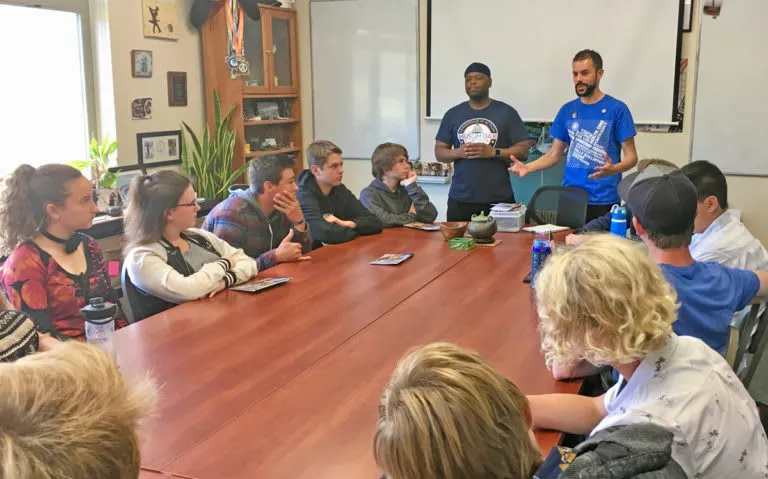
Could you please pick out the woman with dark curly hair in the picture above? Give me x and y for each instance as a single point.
(52, 270)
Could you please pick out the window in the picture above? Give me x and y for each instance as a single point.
(46, 83)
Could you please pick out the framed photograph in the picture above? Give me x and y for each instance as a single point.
(687, 15)
(177, 89)
(141, 63)
(159, 148)
(160, 19)
(141, 109)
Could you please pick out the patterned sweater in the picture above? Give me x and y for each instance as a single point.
(239, 221)
(36, 285)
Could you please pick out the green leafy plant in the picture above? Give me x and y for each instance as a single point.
(210, 161)
(99, 162)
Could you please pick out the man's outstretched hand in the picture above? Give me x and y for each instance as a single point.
(518, 167)
(608, 169)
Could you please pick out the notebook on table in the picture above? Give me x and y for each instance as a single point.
(260, 285)
(392, 259)
(423, 226)
(544, 229)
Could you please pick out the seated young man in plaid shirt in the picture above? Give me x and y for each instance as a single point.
(265, 220)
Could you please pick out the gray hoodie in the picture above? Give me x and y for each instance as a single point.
(391, 207)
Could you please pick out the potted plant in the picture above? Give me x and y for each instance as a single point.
(209, 162)
(98, 163)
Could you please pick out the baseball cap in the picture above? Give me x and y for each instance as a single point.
(662, 199)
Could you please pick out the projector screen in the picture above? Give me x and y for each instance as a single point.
(529, 45)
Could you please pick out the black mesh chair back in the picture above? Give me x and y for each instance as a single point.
(558, 205)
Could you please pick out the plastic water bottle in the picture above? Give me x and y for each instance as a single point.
(619, 221)
(540, 251)
(100, 324)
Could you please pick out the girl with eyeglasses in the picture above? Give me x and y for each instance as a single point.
(167, 260)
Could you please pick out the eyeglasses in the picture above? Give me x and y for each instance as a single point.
(192, 203)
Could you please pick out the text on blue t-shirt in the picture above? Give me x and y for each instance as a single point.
(592, 131)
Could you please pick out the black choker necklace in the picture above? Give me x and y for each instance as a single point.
(70, 244)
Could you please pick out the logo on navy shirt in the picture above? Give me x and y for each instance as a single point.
(478, 130)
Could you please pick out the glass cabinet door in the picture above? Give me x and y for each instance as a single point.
(283, 55)
(253, 43)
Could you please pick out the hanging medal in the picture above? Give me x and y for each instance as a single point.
(236, 61)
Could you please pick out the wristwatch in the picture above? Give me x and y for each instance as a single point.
(497, 152)
(298, 223)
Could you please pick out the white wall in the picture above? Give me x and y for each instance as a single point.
(183, 55)
(671, 146)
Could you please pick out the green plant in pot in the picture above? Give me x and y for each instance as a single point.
(209, 161)
(105, 180)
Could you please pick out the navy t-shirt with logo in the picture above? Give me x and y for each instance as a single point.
(481, 180)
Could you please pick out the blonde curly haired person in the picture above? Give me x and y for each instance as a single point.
(608, 303)
(68, 413)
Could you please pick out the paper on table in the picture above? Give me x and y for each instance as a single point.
(545, 228)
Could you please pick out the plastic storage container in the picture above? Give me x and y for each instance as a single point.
(507, 220)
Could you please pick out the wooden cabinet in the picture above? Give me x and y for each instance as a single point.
(267, 116)
(270, 48)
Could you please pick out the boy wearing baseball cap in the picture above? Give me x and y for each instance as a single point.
(664, 208)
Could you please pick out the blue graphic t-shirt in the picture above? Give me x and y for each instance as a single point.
(592, 131)
(481, 180)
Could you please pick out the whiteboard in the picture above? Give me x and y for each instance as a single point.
(529, 45)
(365, 74)
(731, 93)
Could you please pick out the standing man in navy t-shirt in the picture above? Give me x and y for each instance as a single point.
(479, 137)
(596, 129)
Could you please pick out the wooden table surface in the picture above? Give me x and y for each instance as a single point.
(285, 384)
(321, 423)
(216, 357)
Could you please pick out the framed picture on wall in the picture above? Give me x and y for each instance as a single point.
(160, 19)
(141, 109)
(159, 148)
(141, 63)
(177, 89)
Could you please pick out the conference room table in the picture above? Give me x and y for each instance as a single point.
(285, 383)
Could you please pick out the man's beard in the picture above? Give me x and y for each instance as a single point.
(587, 91)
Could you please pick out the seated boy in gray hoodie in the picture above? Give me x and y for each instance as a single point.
(394, 197)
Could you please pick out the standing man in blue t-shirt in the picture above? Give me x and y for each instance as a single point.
(596, 129)
(479, 137)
